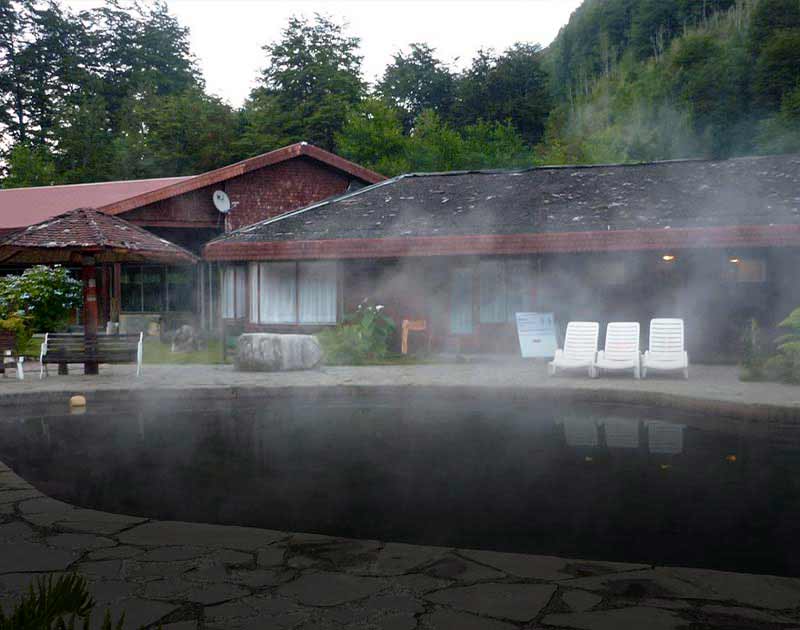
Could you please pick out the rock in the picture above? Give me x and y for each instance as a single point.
(330, 589)
(518, 602)
(177, 533)
(636, 617)
(266, 352)
(184, 339)
(447, 619)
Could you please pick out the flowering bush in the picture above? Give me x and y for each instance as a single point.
(363, 336)
(43, 296)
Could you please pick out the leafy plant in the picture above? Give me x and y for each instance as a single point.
(56, 604)
(363, 336)
(754, 356)
(42, 295)
(18, 324)
(785, 366)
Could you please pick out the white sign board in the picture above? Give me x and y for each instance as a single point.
(537, 335)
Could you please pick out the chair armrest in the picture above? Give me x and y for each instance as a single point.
(43, 348)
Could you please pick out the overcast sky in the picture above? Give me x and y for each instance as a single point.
(227, 35)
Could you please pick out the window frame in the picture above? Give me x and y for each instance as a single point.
(256, 271)
(164, 290)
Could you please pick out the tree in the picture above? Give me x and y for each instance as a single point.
(509, 87)
(188, 133)
(418, 81)
(312, 79)
(777, 70)
(28, 165)
(373, 137)
(769, 17)
(39, 67)
(780, 133)
(84, 143)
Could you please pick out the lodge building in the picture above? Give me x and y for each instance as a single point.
(714, 242)
(311, 235)
(181, 210)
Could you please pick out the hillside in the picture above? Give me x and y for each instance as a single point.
(719, 78)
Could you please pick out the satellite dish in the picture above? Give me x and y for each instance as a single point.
(221, 201)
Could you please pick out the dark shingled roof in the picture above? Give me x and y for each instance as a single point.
(678, 194)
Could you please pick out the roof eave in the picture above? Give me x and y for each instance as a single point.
(509, 244)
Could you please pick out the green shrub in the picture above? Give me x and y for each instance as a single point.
(57, 604)
(754, 356)
(43, 295)
(363, 336)
(19, 325)
(785, 366)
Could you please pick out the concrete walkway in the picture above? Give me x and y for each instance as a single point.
(718, 386)
(198, 576)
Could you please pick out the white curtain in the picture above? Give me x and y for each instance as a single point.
(521, 283)
(241, 292)
(253, 271)
(461, 302)
(229, 292)
(318, 293)
(493, 291)
(278, 293)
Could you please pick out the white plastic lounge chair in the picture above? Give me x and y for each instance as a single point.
(667, 347)
(580, 348)
(622, 349)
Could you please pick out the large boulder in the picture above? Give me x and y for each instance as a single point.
(268, 352)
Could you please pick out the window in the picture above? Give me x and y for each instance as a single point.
(507, 288)
(234, 292)
(750, 270)
(294, 293)
(155, 289)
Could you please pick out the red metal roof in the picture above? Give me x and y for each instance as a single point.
(88, 231)
(21, 207)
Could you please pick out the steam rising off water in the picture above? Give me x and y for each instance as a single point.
(487, 471)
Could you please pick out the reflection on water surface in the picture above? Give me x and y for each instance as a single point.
(585, 481)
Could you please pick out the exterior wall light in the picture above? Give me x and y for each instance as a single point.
(734, 260)
(668, 258)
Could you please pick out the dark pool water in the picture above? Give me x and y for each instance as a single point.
(592, 481)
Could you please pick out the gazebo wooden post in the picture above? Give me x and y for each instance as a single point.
(89, 310)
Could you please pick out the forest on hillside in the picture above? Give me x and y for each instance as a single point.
(116, 93)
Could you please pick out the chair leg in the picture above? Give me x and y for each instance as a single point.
(551, 369)
(686, 373)
(644, 372)
(637, 373)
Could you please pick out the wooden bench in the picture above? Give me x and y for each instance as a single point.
(63, 349)
(8, 343)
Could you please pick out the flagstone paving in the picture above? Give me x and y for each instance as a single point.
(189, 576)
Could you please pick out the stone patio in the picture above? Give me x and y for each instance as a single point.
(198, 576)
